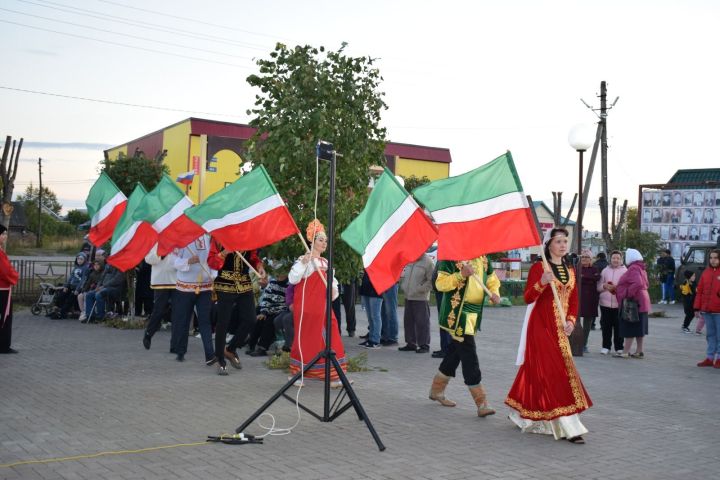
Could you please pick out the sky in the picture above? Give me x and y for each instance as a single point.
(478, 77)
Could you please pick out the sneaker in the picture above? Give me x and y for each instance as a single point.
(371, 345)
(211, 362)
(662, 302)
(438, 354)
(222, 370)
(686, 330)
(617, 353)
(423, 349)
(672, 302)
(82, 317)
(408, 348)
(388, 343)
(604, 351)
(364, 337)
(698, 333)
(706, 363)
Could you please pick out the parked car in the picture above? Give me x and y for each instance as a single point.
(695, 260)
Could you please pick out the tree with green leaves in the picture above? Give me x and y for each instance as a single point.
(49, 199)
(126, 171)
(77, 217)
(309, 94)
(413, 181)
(647, 243)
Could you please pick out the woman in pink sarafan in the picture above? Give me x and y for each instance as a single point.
(308, 274)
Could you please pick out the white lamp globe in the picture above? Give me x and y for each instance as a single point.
(582, 136)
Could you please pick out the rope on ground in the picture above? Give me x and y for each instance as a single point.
(100, 454)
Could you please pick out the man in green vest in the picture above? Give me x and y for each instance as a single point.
(464, 285)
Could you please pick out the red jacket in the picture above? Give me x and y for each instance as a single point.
(707, 297)
(8, 275)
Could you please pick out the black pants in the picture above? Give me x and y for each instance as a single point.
(263, 334)
(337, 310)
(349, 298)
(6, 328)
(688, 301)
(161, 305)
(587, 323)
(226, 304)
(610, 325)
(462, 353)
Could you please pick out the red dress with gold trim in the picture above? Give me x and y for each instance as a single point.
(309, 301)
(547, 385)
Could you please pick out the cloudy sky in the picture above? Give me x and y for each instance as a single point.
(477, 77)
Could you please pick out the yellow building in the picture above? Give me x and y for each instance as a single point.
(213, 151)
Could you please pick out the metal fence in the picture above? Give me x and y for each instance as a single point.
(37, 270)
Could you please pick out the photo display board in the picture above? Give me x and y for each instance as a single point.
(681, 217)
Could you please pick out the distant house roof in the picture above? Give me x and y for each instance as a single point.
(537, 204)
(696, 175)
(18, 219)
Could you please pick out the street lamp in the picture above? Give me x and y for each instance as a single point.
(580, 138)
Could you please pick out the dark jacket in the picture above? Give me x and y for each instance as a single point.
(112, 278)
(589, 295)
(366, 287)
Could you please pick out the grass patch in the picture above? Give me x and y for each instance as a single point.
(124, 323)
(354, 364)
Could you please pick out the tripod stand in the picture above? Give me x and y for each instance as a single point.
(325, 151)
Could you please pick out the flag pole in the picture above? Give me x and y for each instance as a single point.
(248, 264)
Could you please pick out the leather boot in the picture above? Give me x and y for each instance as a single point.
(437, 390)
(478, 394)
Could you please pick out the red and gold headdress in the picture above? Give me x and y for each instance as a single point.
(314, 229)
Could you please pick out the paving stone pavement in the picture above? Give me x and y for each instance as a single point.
(79, 389)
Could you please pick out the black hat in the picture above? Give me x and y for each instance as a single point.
(688, 274)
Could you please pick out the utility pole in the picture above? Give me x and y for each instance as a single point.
(603, 154)
(38, 242)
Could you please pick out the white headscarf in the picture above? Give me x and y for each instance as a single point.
(632, 255)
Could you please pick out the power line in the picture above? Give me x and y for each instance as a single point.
(104, 30)
(136, 23)
(126, 46)
(193, 20)
(112, 102)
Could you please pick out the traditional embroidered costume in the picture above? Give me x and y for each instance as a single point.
(548, 393)
(309, 313)
(460, 315)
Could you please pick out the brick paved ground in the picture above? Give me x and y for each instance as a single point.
(81, 389)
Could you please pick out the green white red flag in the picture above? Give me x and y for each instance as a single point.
(105, 205)
(132, 239)
(164, 208)
(390, 232)
(481, 211)
(247, 214)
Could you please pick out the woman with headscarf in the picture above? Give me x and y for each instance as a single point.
(548, 394)
(8, 278)
(634, 285)
(309, 275)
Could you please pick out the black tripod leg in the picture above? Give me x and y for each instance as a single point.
(277, 395)
(356, 402)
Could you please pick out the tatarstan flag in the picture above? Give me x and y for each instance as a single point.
(481, 211)
(164, 209)
(105, 205)
(247, 214)
(390, 232)
(132, 239)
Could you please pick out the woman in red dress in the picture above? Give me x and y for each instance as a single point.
(548, 394)
(308, 274)
(8, 278)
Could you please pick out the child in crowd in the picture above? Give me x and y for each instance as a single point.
(687, 290)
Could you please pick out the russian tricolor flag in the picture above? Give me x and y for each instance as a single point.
(186, 178)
